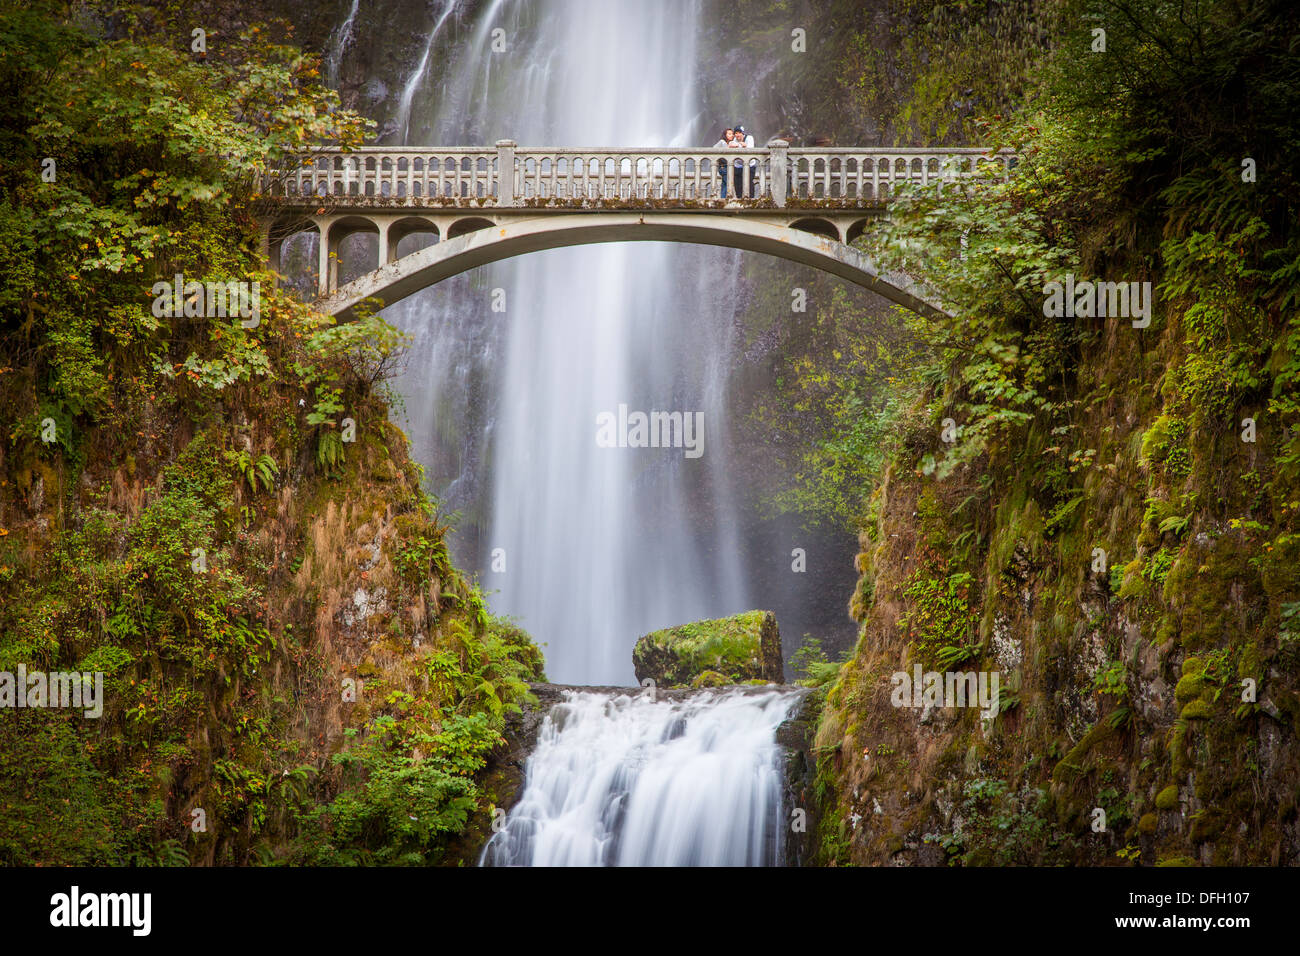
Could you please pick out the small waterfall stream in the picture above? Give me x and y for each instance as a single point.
(620, 780)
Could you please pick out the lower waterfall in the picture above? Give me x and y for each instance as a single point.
(621, 779)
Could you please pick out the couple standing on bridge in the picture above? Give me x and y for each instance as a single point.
(735, 137)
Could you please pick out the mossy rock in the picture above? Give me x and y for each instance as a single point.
(1071, 766)
(1167, 799)
(710, 679)
(1197, 710)
(1207, 825)
(735, 649)
(1192, 683)
(1176, 861)
(1134, 584)
(1178, 747)
(1147, 824)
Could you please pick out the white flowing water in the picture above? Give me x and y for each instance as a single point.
(338, 45)
(417, 75)
(618, 780)
(588, 547)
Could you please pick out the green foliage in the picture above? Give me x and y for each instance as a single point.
(410, 780)
(922, 79)
(365, 350)
(812, 667)
(940, 619)
(261, 470)
(406, 804)
(1002, 827)
(1111, 679)
(1085, 432)
(846, 382)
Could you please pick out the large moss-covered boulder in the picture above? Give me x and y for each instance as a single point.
(746, 647)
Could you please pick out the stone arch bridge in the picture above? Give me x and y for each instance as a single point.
(456, 207)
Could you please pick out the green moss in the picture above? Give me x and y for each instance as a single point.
(1071, 765)
(1189, 687)
(739, 648)
(1207, 825)
(711, 679)
(1197, 710)
(1178, 747)
(1167, 799)
(1134, 583)
(1147, 823)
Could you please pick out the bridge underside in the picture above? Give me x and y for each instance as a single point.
(470, 240)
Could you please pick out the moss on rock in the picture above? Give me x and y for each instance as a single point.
(727, 650)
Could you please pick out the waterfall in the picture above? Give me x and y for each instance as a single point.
(619, 780)
(417, 75)
(598, 545)
(339, 44)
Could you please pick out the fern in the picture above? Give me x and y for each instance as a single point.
(329, 451)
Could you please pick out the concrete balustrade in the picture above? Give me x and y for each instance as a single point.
(776, 174)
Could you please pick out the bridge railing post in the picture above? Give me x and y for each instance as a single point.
(779, 151)
(506, 172)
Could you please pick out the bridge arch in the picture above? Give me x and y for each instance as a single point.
(493, 242)
(467, 225)
(408, 226)
(856, 229)
(817, 227)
